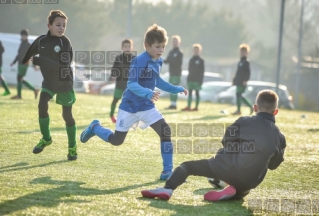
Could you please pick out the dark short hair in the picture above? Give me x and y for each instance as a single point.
(127, 41)
(24, 32)
(267, 101)
(54, 14)
(155, 34)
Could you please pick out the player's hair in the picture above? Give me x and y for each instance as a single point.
(244, 47)
(197, 45)
(54, 14)
(267, 101)
(24, 32)
(177, 37)
(155, 33)
(127, 41)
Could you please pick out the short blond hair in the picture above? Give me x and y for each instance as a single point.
(197, 45)
(267, 101)
(155, 33)
(244, 47)
(177, 37)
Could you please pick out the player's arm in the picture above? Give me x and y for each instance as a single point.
(1, 48)
(201, 72)
(132, 83)
(166, 86)
(278, 158)
(168, 59)
(32, 51)
(115, 70)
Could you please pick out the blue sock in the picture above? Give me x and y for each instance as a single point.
(167, 156)
(102, 132)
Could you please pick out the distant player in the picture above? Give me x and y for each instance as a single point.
(137, 106)
(195, 77)
(251, 146)
(55, 57)
(120, 70)
(2, 80)
(174, 60)
(22, 68)
(241, 78)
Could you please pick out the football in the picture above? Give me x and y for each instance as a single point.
(218, 184)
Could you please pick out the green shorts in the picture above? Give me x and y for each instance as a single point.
(174, 80)
(0, 70)
(63, 98)
(194, 86)
(22, 69)
(118, 93)
(240, 89)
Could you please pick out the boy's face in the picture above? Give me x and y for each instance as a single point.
(175, 42)
(24, 37)
(196, 51)
(127, 48)
(58, 27)
(243, 53)
(155, 50)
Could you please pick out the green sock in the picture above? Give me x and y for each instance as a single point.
(27, 84)
(247, 102)
(19, 88)
(173, 97)
(238, 104)
(112, 109)
(45, 128)
(197, 101)
(4, 85)
(71, 131)
(189, 100)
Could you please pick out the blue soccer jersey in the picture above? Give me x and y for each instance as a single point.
(143, 78)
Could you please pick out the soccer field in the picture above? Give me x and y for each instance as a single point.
(107, 180)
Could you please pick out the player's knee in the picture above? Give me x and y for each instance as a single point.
(238, 95)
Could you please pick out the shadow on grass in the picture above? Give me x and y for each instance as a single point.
(208, 117)
(313, 130)
(63, 193)
(24, 166)
(52, 129)
(234, 207)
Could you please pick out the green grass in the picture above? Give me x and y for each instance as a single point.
(107, 180)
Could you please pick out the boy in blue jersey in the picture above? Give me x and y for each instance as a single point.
(137, 106)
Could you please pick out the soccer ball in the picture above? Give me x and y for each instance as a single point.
(218, 184)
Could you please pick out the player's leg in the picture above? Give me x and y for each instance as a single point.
(197, 100)
(189, 99)
(239, 91)
(163, 130)
(19, 87)
(248, 103)
(123, 124)
(44, 121)
(116, 97)
(70, 127)
(4, 84)
(174, 80)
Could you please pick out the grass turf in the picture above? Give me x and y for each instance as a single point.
(107, 180)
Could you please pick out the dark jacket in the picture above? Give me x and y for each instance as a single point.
(242, 73)
(24, 46)
(196, 69)
(252, 145)
(55, 57)
(1, 51)
(120, 70)
(175, 60)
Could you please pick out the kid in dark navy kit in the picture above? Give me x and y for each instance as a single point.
(241, 78)
(137, 106)
(120, 70)
(55, 57)
(22, 68)
(195, 77)
(174, 60)
(241, 166)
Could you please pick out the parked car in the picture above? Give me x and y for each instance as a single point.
(253, 87)
(210, 90)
